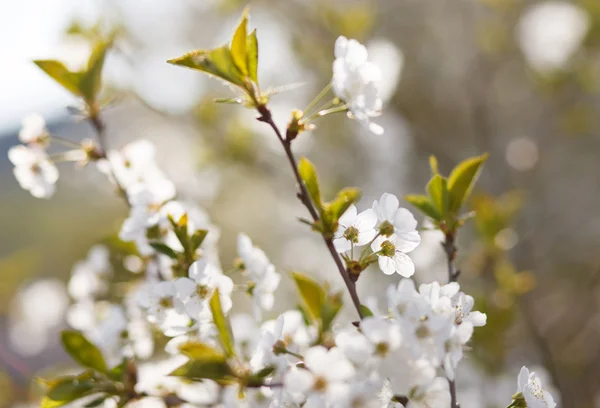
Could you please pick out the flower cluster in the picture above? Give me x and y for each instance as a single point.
(389, 230)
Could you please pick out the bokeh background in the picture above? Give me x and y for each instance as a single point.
(519, 79)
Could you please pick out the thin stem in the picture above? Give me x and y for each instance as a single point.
(305, 199)
(453, 274)
(65, 142)
(317, 98)
(100, 129)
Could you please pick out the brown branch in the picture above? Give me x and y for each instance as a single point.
(453, 274)
(304, 197)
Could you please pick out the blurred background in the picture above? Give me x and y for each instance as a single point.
(519, 79)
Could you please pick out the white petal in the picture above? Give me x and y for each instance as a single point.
(366, 220)
(349, 217)
(342, 245)
(386, 265)
(299, 381)
(386, 207)
(403, 264)
(407, 241)
(185, 287)
(522, 379)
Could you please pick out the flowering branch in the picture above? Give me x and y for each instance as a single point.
(453, 274)
(286, 143)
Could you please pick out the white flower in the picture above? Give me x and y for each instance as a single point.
(163, 305)
(264, 279)
(382, 333)
(355, 82)
(354, 229)
(197, 290)
(390, 214)
(325, 377)
(436, 394)
(459, 336)
(34, 130)
(551, 32)
(88, 278)
(392, 255)
(530, 385)
(464, 314)
(135, 164)
(355, 345)
(33, 170)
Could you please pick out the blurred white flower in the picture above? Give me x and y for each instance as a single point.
(33, 170)
(550, 33)
(197, 290)
(34, 130)
(89, 277)
(355, 82)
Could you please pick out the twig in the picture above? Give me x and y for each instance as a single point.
(453, 274)
(305, 199)
(100, 129)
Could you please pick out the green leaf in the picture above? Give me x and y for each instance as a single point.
(96, 402)
(433, 163)
(424, 204)
(308, 174)
(312, 295)
(334, 210)
(329, 310)
(462, 179)
(200, 351)
(365, 311)
(57, 71)
(438, 193)
(217, 62)
(91, 81)
(238, 45)
(343, 201)
(65, 390)
(164, 249)
(205, 363)
(82, 351)
(225, 336)
(216, 370)
(197, 239)
(252, 56)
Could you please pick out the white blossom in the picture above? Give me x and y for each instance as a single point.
(34, 130)
(197, 290)
(355, 82)
(324, 378)
(354, 229)
(34, 171)
(392, 255)
(535, 395)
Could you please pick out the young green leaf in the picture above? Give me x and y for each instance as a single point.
(217, 62)
(91, 80)
(197, 239)
(211, 368)
(312, 295)
(438, 193)
(329, 310)
(343, 200)
(200, 351)
(222, 324)
(238, 45)
(433, 164)
(462, 179)
(57, 71)
(164, 249)
(309, 176)
(365, 311)
(82, 351)
(252, 56)
(65, 390)
(424, 204)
